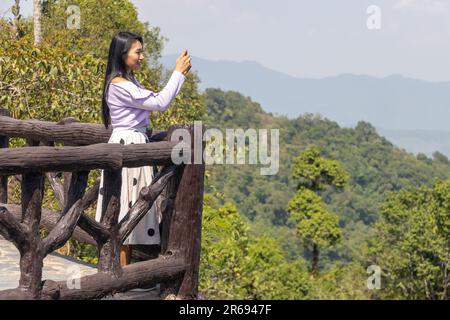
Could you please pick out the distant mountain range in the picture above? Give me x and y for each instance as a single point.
(422, 141)
(414, 114)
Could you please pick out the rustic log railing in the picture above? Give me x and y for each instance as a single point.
(85, 149)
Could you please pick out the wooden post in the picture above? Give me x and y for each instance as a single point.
(31, 254)
(168, 200)
(67, 175)
(167, 207)
(186, 224)
(4, 143)
(110, 250)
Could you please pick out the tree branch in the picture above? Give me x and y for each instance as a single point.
(12, 229)
(95, 229)
(55, 183)
(71, 213)
(57, 187)
(63, 229)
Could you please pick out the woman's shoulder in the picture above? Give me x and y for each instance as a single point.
(117, 80)
(120, 84)
(132, 88)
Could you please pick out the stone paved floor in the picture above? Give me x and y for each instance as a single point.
(56, 267)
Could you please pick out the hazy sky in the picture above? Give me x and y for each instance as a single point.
(307, 38)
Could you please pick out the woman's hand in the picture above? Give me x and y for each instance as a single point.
(183, 64)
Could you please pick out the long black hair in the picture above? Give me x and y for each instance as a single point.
(120, 45)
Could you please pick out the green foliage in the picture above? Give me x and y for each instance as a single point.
(314, 222)
(49, 83)
(269, 276)
(316, 172)
(235, 265)
(440, 157)
(232, 109)
(341, 282)
(100, 20)
(412, 244)
(83, 251)
(238, 265)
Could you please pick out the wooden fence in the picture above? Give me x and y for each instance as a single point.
(85, 148)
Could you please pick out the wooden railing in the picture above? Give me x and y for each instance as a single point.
(85, 148)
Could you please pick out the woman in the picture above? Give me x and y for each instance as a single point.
(126, 106)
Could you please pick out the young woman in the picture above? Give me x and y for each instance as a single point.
(126, 106)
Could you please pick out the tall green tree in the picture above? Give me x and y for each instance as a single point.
(316, 225)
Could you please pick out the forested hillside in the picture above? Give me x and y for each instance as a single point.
(375, 166)
(375, 169)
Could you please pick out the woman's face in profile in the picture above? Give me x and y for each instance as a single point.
(135, 56)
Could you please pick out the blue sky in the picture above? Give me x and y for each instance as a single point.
(307, 38)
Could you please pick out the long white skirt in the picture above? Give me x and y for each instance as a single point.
(133, 180)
